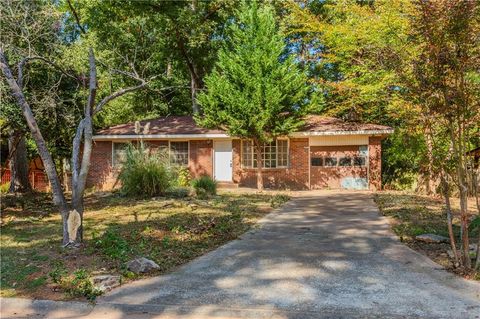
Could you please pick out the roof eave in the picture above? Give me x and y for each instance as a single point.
(108, 137)
(334, 133)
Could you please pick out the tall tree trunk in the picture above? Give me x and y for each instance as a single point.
(446, 195)
(258, 150)
(194, 87)
(72, 216)
(19, 181)
(477, 201)
(459, 154)
(429, 175)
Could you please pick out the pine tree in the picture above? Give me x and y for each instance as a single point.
(256, 90)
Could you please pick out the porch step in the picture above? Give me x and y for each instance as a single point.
(227, 185)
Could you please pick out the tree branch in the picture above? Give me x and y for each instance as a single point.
(117, 94)
(75, 15)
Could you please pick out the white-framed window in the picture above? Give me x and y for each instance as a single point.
(274, 154)
(119, 153)
(179, 153)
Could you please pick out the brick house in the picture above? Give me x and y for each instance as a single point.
(326, 153)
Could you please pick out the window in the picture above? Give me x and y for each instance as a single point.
(316, 161)
(247, 153)
(359, 161)
(179, 153)
(330, 161)
(345, 161)
(282, 151)
(119, 154)
(274, 154)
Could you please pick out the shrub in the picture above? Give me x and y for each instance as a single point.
(183, 177)
(4, 188)
(80, 285)
(145, 173)
(204, 186)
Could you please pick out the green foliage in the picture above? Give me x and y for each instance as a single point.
(145, 173)
(183, 177)
(58, 272)
(113, 245)
(4, 188)
(80, 285)
(278, 200)
(256, 89)
(204, 186)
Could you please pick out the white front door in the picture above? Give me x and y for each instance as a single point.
(223, 161)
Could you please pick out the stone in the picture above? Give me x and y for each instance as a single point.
(106, 282)
(142, 265)
(432, 238)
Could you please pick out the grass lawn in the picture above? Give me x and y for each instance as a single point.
(169, 231)
(411, 215)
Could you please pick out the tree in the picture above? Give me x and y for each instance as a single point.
(72, 213)
(447, 85)
(176, 39)
(410, 64)
(256, 90)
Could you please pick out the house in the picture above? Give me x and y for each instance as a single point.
(326, 153)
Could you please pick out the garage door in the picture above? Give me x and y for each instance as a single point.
(339, 167)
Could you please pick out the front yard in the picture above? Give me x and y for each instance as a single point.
(411, 215)
(169, 231)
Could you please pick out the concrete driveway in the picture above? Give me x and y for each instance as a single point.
(323, 255)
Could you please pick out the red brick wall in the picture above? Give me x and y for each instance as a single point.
(296, 176)
(200, 159)
(375, 162)
(104, 177)
(331, 177)
(293, 177)
(101, 175)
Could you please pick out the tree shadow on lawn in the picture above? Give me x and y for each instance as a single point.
(31, 249)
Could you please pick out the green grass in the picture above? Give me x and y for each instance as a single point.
(117, 229)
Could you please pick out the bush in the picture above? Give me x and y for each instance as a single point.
(183, 177)
(4, 188)
(80, 285)
(145, 173)
(204, 186)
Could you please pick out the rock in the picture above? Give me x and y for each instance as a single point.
(432, 238)
(106, 282)
(141, 265)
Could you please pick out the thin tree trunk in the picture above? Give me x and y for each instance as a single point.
(477, 201)
(19, 181)
(446, 195)
(258, 150)
(58, 196)
(459, 154)
(193, 89)
(429, 175)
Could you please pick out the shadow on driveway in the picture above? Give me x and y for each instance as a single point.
(322, 255)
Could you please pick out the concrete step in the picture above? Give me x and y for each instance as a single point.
(227, 185)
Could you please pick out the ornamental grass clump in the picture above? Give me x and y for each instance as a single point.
(144, 172)
(204, 186)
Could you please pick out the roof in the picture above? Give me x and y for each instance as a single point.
(322, 125)
(185, 127)
(161, 125)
